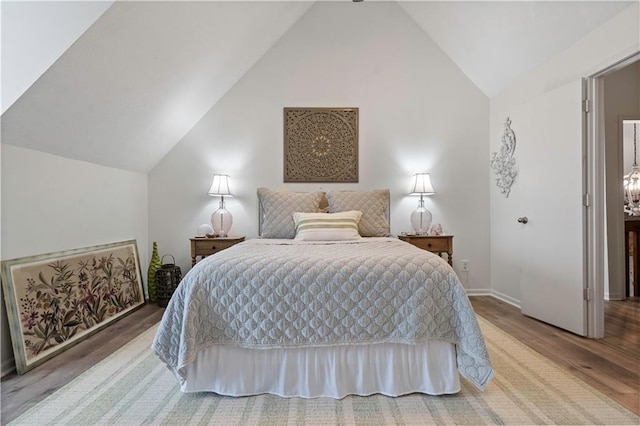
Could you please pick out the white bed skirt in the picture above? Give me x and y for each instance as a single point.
(391, 369)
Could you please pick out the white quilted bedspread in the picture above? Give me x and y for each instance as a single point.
(287, 293)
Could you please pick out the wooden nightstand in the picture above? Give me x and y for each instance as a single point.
(207, 246)
(434, 243)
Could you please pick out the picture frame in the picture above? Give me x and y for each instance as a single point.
(321, 145)
(56, 300)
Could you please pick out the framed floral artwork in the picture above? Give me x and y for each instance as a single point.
(55, 300)
(321, 145)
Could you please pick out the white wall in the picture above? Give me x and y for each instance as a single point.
(50, 203)
(418, 112)
(609, 43)
(44, 29)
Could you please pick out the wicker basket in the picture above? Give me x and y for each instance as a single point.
(168, 277)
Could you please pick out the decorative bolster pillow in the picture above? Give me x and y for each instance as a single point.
(327, 226)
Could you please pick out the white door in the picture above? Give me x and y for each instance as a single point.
(549, 136)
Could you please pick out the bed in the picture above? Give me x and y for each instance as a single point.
(315, 309)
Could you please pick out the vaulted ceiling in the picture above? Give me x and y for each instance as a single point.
(129, 79)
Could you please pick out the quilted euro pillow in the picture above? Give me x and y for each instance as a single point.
(278, 207)
(327, 226)
(374, 206)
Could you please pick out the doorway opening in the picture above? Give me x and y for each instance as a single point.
(629, 144)
(613, 100)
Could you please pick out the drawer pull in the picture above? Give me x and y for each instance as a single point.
(428, 244)
(213, 247)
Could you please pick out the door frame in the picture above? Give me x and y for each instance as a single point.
(595, 251)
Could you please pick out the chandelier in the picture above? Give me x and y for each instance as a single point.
(632, 182)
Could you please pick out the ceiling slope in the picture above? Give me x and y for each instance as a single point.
(35, 35)
(144, 73)
(133, 85)
(497, 43)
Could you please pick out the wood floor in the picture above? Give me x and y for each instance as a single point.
(19, 393)
(611, 365)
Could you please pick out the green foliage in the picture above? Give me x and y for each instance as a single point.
(58, 306)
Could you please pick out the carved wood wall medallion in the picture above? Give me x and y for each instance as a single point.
(321, 144)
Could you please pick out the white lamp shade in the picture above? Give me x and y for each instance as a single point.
(422, 184)
(421, 217)
(221, 219)
(220, 186)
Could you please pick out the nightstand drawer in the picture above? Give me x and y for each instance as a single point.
(434, 243)
(203, 247)
(431, 244)
(208, 248)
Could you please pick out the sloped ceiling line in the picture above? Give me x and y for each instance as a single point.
(142, 76)
(144, 73)
(35, 35)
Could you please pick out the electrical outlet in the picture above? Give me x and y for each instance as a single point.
(465, 265)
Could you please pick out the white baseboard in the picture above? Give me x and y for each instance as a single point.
(614, 296)
(478, 292)
(506, 299)
(8, 366)
(500, 296)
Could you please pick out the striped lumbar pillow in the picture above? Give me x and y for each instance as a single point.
(327, 226)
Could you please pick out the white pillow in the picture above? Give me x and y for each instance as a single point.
(327, 226)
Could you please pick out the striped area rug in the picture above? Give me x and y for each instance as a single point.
(133, 387)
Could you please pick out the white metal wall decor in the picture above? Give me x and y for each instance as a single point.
(504, 163)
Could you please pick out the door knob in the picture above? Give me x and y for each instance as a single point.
(523, 219)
